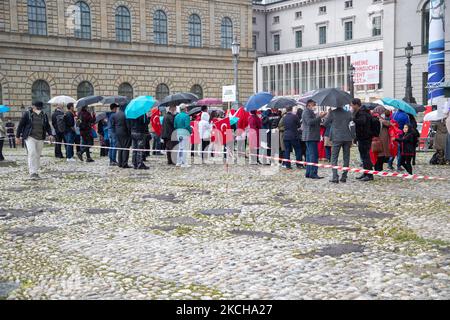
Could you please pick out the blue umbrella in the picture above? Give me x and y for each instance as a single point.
(258, 100)
(4, 108)
(139, 106)
(233, 120)
(400, 105)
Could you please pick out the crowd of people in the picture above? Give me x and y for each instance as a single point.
(381, 136)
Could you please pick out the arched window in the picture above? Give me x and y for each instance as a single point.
(37, 17)
(160, 27)
(195, 31)
(197, 90)
(85, 89)
(123, 24)
(125, 89)
(226, 32)
(162, 91)
(40, 91)
(83, 24)
(425, 26)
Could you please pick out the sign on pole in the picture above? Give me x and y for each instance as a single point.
(367, 67)
(229, 93)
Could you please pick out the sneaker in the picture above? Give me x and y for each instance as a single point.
(367, 178)
(361, 177)
(178, 165)
(143, 167)
(34, 176)
(89, 160)
(343, 180)
(185, 166)
(80, 156)
(113, 164)
(71, 160)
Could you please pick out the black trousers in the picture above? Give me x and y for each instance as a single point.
(170, 145)
(87, 140)
(77, 141)
(205, 144)
(380, 163)
(1, 149)
(123, 155)
(138, 142)
(364, 151)
(12, 141)
(59, 138)
(406, 163)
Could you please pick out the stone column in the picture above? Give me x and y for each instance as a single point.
(61, 18)
(212, 29)
(179, 22)
(346, 84)
(326, 73)
(104, 19)
(143, 15)
(14, 24)
(336, 70)
(292, 78)
(276, 81)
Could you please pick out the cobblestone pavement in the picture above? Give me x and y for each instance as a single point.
(89, 231)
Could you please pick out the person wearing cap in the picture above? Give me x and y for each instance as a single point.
(33, 128)
(182, 125)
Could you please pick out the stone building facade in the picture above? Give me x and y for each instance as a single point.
(50, 47)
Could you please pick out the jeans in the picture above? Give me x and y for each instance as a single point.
(12, 141)
(70, 138)
(399, 158)
(112, 154)
(138, 142)
(1, 149)
(87, 141)
(156, 143)
(183, 146)
(364, 151)
(288, 145)
(328, 153)
(312, 155)
(345, 145)
(34, 149)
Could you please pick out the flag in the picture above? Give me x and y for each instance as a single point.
(195, 135)
(155, 121)
(243, 118)
(222, 127)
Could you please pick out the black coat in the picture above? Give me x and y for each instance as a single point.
(55, 115)
(25, 126)
(139, 125)
(69, 118)
(291, 126)
(407, 144)
(120, 126)
(168, 126)
(362, 121)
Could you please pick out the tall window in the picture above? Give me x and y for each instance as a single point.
(123, 24)
(322, 67)
(254, 42)
(125, 89)
(322, 35)
(265, 74)
(37, 17)
(298, 39)
(83, 26)
(276, 42)
(40, 91)
(296, 78)
(348, 30)
(425, 26)
(376, 26)
(85, 89)
(195, 31)
(340, 72)
(380, 84)
(160, 27)
(197, 90)
(226, 33)
(331, 72)
(162, 91)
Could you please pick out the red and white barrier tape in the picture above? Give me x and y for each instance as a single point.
(319, 165)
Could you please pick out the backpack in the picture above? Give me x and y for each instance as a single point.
(61, 123)
(375, 126)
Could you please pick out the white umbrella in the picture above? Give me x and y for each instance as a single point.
(61, 100)
(434, 116)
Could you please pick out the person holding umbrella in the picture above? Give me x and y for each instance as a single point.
(85, 121)
(2, 138)
(10, 126)
(137, 128)
(112, 153)
(292, 137)
(167, 131)
(182, 125)
(70, 132)
(311, 136)
(59, 127)
(120, 128)
(33, 128)
(156, 131)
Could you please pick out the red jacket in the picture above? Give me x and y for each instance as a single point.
(255, 124)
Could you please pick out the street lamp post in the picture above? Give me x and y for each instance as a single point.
(352, 80)
(408, 89)
(235, 49)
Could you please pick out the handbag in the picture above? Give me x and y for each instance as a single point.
(377, 146)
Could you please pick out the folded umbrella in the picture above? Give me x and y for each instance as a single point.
(400, 105)
(178, 98)
(139, 106)
(89, 100)
(119, 100)
(281, 103)
(64, 100)
(258, 100)
(4, 109)
(100, 117)
(331, 97)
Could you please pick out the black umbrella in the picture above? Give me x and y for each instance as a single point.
(418, 107)
(194, 111)
(178, 98)
(370, 105)
(120, 100)
(86, 101)
(100, 117)
(199, 109)
(281, 103)
(332, 97)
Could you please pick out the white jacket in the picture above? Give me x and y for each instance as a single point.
(204, 127)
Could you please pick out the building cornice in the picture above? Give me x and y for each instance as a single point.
(284, 5)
